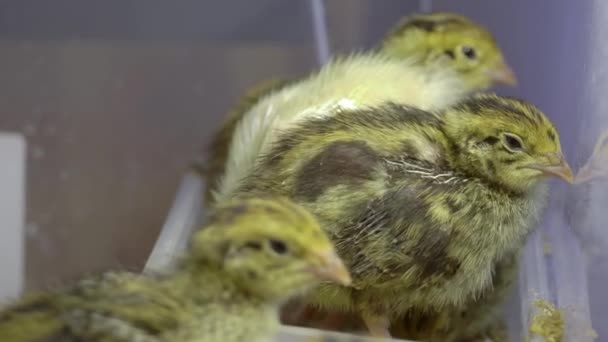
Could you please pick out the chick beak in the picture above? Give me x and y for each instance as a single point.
(331, 268)
(557, 167)
(503, 74)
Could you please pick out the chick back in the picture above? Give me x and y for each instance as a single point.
(356, 81)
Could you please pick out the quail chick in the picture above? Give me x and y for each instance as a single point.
(430, 60)
(455, 41)
(421, 206)
(252, 256)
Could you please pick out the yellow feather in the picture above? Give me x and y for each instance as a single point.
(355, 82)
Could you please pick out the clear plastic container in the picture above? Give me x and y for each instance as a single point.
(115, 99)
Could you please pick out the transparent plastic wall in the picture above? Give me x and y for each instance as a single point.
(115, 98)
(586, 211)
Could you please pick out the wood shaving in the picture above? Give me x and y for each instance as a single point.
(592, 333)
(548, 322)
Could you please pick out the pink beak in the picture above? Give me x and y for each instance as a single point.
(503, 74)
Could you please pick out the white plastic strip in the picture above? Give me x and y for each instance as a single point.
(12, 213)
(571, 280)
(533, 281)
(319, 25)
(299, 334)
(183, 218)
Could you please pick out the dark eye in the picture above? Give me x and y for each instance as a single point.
(513, 143)
(469, 52)
(278, 246)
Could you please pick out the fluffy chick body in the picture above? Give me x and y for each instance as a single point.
(421, 206)
(213, 167)
(128, 307)
(480, 319)
(425, 44)
(227, 288)
(354, 82)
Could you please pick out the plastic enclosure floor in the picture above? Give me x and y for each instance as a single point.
(296, 334)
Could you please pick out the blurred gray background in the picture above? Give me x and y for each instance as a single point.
(115, 97)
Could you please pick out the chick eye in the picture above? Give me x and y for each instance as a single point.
(513, 143)
(278, 246)
(469, 52)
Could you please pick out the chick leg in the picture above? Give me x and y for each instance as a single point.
(296, 313)
(326, 320)
(334, 321)
(377, 325)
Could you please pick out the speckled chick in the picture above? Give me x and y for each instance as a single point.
(430, 60)
(454, 41)
(421, 206)
(253, 255)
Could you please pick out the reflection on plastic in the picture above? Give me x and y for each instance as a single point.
(597, 164)
(12, 207)
(184, 216)
(297, 334)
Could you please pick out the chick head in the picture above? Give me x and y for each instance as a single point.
(272, 248)
(505, 141)
(597, 164)
(453, 41)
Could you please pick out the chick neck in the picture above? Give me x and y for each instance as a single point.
(206, 281)
(430, 62)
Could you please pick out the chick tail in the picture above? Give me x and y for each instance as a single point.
(217, 150)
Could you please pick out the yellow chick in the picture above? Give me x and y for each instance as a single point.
(454, 40)
(252, 256)
(427, 60)
(423, 207)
